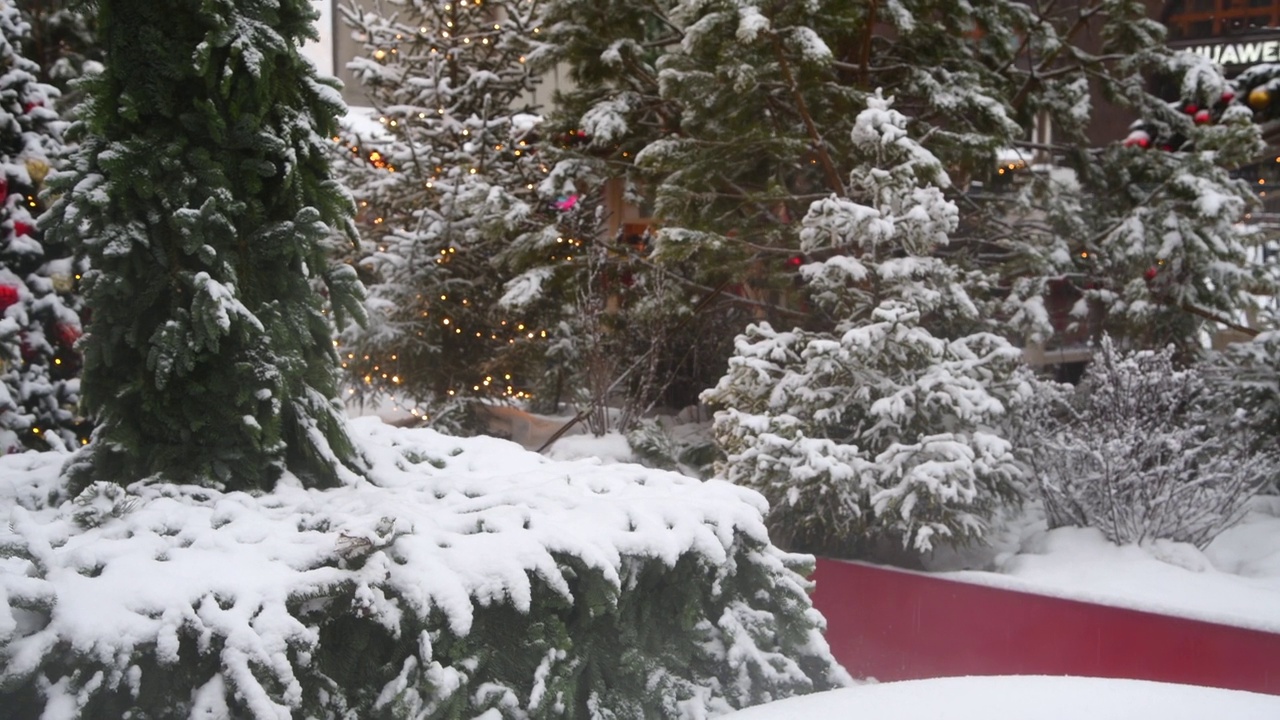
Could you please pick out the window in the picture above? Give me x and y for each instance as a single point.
(1201, 19)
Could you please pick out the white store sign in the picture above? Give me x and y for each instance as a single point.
(1237, 54)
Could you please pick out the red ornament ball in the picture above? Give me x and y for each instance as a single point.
(20, 228)
(8, 296)
(1228, 96)
(66, 334)
(1191, 108)
(1138, 139)
(1150, 274)
(1203, 117)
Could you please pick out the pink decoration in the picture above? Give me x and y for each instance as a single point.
(566, 203)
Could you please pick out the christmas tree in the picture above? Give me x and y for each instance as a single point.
(40, 324)
(200, 195)
(443, 193)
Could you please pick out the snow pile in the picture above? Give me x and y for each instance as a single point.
(444, 529)
(1233, 581)
(1020, 697)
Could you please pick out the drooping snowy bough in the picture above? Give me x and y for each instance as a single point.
(465, 578)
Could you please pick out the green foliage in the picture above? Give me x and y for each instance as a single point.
(63, 42)
(200, 195)
(660, 649)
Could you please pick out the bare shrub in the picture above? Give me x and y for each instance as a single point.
(1138, 452)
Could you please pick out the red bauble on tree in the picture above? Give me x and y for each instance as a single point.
(8, 296)
(66, 334)
(22, 229)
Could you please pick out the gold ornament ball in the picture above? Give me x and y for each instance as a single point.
(1259, 98)
(38, 170)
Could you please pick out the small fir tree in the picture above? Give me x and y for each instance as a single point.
(451, 184)
(200, 195)
(890, 424)
(40, 324)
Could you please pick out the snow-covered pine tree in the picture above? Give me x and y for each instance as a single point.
(39, 322)
(200, 195)
(888, 425)
(452, 184)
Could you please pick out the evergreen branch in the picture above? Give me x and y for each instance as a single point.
(819, 145)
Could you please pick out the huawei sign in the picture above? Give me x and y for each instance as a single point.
(1239, 53)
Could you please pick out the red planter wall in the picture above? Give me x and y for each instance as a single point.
(898, 625)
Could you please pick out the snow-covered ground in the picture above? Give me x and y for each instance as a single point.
(1235, 580)
(1023, 697)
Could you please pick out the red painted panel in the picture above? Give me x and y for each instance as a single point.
(898, 625)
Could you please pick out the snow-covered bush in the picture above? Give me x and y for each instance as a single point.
(1139, 452)
(466, 578)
